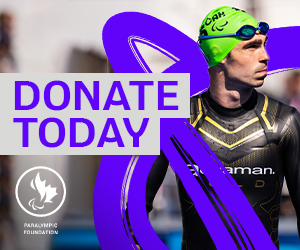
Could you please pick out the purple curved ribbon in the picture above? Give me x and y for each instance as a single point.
(248, 230)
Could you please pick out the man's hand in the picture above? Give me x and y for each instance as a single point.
(138, 247)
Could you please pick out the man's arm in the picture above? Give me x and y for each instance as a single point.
(292, 161)
(155, 179)
(160, 167)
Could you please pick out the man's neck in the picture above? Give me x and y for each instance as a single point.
(226, 93)
(229, 98)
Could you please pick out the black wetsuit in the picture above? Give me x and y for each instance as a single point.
(258, 143)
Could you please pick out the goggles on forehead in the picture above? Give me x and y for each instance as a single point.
(245, 32)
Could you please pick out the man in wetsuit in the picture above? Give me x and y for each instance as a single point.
(254, 136)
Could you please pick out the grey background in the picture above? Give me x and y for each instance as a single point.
(44, 37)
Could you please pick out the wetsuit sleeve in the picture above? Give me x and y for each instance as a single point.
(155, 179)
(292, 161)
(160, 166)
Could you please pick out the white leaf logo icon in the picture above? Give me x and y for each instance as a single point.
(46, 193)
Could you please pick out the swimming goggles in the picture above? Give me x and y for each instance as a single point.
(245, 32)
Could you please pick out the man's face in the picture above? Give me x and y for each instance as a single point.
(246, 64)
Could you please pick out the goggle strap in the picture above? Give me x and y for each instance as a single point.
(215, 36)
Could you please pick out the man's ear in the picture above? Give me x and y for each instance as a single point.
(217, 68)
(227, 57)
(224, 60)
(220, 66)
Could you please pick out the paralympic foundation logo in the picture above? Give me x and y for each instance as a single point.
(40, 191)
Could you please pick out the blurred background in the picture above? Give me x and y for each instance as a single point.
(65, 36)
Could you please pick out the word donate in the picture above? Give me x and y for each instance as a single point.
(89, 113)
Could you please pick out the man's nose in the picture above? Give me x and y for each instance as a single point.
(264, 55)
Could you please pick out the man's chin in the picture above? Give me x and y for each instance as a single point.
(260, 81)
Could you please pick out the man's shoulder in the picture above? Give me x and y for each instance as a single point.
(198, 94)
(272, 107)
(196, 98)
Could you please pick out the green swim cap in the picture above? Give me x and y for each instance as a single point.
(220, 21)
